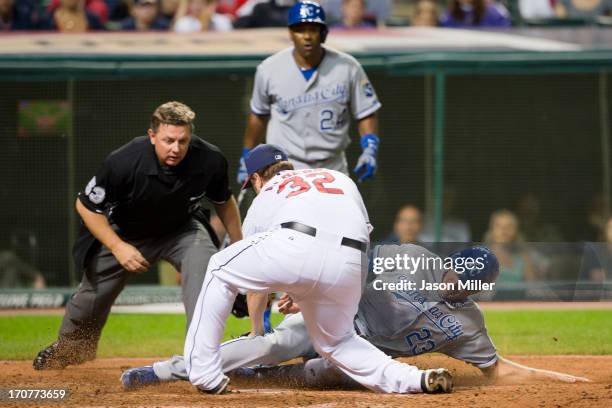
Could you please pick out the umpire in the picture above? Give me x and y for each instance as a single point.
(143, 205)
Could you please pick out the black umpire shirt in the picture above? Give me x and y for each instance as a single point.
(143, 199)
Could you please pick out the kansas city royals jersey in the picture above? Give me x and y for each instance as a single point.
(321, 198)
(310, 119)
(410, 322)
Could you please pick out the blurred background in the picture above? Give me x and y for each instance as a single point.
(495, 124)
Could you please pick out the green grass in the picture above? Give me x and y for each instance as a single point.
(133, 335)
(551, 331)
(125, 335)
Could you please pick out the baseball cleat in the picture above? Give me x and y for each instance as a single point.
(436, 381)
(138, 377)
(222, 388)
(61, 354)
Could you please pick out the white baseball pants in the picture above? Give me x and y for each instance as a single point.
(322, 276)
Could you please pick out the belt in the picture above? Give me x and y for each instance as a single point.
(308, 230)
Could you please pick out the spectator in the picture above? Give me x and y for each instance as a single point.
(168, 10)
(583, 9)
(504, 238)
(532, 9)
(454, 229)
(232, 7)
(353, 16)
(71, 17)
(20, 16)
(16, 273)
(96, 7)
(202, 17)
(475, 13)
(145, 17)
(407, 226)
(119, 9)
(425, 14)
(534, 229)
(595, 219)
(272, 13)
(597, 261)
(375, 10)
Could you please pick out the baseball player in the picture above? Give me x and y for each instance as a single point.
(402, 323)
(306, 233)
(303, 96)
(141, 206)
(405, 322)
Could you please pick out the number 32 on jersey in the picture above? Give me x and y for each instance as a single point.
(300, 183)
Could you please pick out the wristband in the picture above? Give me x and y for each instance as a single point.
(370, 140)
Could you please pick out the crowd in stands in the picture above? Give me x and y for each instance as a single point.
(224, 15)
(524, 243)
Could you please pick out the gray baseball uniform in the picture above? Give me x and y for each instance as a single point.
(412, 322)
(309, 119)
(401, 323)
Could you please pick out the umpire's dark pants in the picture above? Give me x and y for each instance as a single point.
(188, 250)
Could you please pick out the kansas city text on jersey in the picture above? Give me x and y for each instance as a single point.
(338, 92)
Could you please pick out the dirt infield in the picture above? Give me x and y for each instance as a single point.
(96, 384)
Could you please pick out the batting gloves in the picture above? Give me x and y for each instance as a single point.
(366, 165)
(242, 170)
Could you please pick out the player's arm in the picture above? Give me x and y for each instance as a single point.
(255, 130)
(253, 135)
(368, 130)
(230, 217)
(127, 255)
(257, 303)
(368, 125)
(257, 121)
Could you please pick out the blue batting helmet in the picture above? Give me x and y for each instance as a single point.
(476, 263)
(306, 11)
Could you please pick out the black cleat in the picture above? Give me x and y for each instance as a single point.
(436, 381)
(222, 388)
(61, 354)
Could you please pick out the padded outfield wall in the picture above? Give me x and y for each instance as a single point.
(483, 116)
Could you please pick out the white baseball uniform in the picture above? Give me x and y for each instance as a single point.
(309, 120)
(320, 272)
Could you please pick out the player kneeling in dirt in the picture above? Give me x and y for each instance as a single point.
(401, 323)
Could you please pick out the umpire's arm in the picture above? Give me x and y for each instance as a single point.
(127, 255)
(230, 216)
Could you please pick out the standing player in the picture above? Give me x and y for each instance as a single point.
(306, 234)
(143, 205)
(402, 323)
(303, 96)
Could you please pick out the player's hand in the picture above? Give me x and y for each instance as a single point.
(366, 165)
(130, 258)
(242, 170)
(286, 305)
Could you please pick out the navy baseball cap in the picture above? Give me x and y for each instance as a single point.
(486, 271)
(261, 157)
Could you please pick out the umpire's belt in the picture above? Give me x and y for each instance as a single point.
(308, 230)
